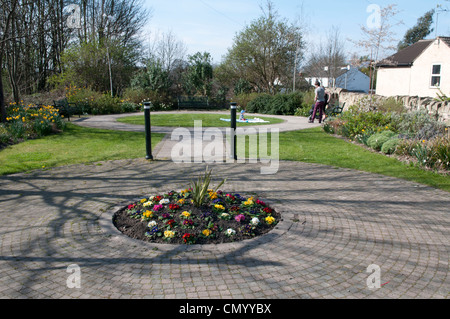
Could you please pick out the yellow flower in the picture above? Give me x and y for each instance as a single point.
(181, 201)
(169, 234)
(206, 232)
(213, 195)
(186, 214)
(218, 206)
(147, 214)
(270, 220)
(143, 200)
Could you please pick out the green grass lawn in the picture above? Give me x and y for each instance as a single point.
(315, 146)
(85, 145)
(187, 120)
(74, 146)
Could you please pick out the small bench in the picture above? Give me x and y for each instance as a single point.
(335, 110)
(192, 102)
(67, 109)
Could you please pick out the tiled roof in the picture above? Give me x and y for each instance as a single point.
(446, 40)
(407, 56)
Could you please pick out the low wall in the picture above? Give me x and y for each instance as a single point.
(440, 109)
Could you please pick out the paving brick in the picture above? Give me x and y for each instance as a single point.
(324, 257)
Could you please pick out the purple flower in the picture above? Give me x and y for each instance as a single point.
(157, 208)
(239, 218)
(165, 216)
(205, 215)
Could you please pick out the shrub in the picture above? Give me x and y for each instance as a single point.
(353, 123)
(364, 137)
(128, 107)
(433, 153)
(390, 145)
(279, 104)
(244, 99)
(136, 95)
(377, 140)
(4, 134)
(285, 104)
(105, 104)
(391, 105)
(420, 125)
(76, 94)
(259, 104)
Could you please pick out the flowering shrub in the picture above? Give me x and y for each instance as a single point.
(173, 218)
(434, 153)
(416, 135)
(25, 122)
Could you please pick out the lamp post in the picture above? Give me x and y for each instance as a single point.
(148, 137)
(233, 130)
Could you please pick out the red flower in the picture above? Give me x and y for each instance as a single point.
(170, 222)
(173, 206)
(260, 202)
(267, 210)
(188, 238)
(231, 197)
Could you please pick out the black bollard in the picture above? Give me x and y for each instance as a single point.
(233, 130)
(148, 136)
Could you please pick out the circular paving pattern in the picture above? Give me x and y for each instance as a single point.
(336, 223)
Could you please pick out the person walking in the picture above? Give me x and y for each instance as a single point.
(319, 101)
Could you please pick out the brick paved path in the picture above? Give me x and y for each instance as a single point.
(54, 218)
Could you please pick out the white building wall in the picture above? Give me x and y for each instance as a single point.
(437, 53)
(416, 80)
(393, 81)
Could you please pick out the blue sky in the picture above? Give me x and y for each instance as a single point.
(210, 25)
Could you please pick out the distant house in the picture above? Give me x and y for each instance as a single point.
(418, 70)
(353, 80)
(350, 79)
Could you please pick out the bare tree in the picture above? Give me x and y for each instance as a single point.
(327, 58)
(378, 34)
(166, 49)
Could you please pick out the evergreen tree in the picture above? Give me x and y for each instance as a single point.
(419, 31)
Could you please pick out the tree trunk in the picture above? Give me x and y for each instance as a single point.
(2, 97)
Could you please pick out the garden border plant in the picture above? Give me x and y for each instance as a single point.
(196, 215)
(416, 137)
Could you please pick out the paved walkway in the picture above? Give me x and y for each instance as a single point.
(336, 223)
(163, 150)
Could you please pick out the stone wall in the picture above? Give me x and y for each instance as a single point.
(440, 109)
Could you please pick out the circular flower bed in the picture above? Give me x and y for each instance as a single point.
(173, 218)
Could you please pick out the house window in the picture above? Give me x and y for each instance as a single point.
(436, 75)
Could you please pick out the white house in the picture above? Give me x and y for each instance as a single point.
(350, 79)
(418, 70)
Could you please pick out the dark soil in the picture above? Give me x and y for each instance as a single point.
(130, 223)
